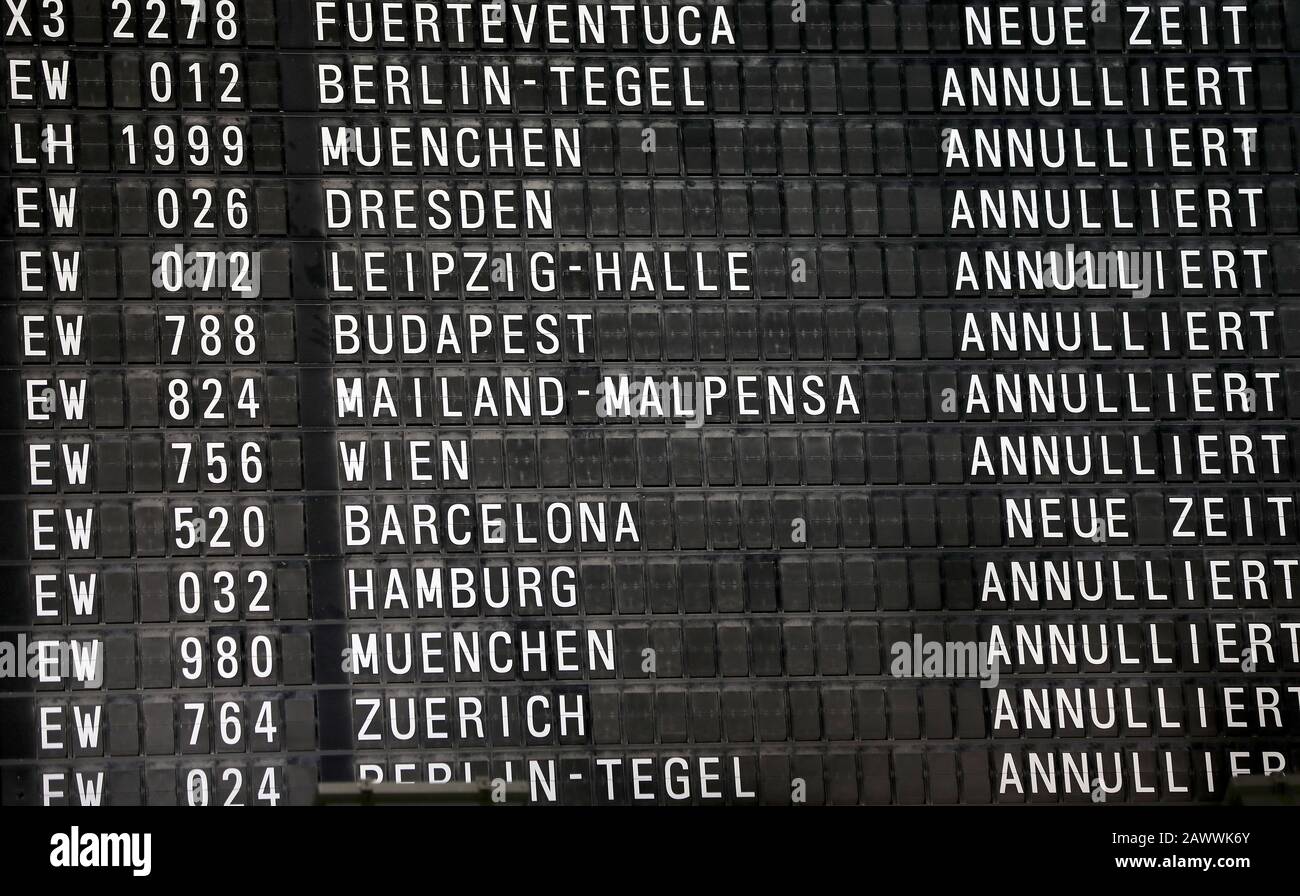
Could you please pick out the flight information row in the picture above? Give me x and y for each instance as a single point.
(1140, 770)
(390, 587)
(713, 519)
(217, 463)
(545, 655)
(967, 267)
(725, 26)
(660, 84)
(253, 723)
(718, 209)
(739, 394)
(237, 335)
(724, 145)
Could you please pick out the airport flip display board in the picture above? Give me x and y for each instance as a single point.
(648, 402)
